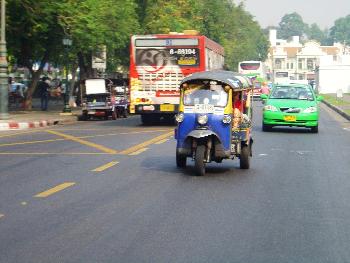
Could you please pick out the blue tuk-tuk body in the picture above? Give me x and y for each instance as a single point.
(208, 127)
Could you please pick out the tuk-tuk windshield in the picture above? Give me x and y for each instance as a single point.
(213, 94)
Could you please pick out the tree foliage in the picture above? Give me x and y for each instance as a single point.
(291, 25)
(340, 32)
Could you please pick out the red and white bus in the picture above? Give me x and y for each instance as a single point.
(157, 65)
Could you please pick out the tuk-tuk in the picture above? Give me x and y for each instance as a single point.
(209, 127)
(97, 99)
(120, 100)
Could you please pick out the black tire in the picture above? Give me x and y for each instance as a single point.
(314, 129)
(266, 127)
(125, 113)
(199, 160)
(244, 157)
(180, 160)
(146, 119)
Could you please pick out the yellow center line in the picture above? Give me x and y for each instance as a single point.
(139, 151)
(55, 189)
(162, 141)
(146, 143)
(31, 142)
(66, 153)
(91, 144)
(17, 133)
(105, 166)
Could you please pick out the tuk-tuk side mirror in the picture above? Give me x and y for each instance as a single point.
(319, 98)
(263, 96)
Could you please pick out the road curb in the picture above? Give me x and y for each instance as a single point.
(338, 110)
(12, 125)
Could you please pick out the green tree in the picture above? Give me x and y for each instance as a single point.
(291, 25)
(169, 16)
(314, 32)
(32, 34)
(340, 32)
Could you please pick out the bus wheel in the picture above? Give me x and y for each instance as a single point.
(199, 160)
(244, 158)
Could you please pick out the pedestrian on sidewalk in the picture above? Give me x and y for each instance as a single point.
(44, 88)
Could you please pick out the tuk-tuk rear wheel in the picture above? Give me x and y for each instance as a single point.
(244, 157)
(199, 160)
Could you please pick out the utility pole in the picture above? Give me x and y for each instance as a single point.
(4, 87)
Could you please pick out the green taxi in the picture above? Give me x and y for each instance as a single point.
(291, 105)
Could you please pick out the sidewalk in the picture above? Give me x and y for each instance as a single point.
(22, 119)
(340, 105)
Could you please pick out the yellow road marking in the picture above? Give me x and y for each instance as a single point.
(17, 133)
(31, 142)
(33, 153)
(55, 189)
(146, 143)
(162, 141)
(79, 137)
(91, 144)
(139, 151)
(105, 166)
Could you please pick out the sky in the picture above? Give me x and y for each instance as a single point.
(321, 12)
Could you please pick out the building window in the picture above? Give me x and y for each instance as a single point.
(310, 64)
(278, 63)
(301, 76)
(301, 64)
(291, 65)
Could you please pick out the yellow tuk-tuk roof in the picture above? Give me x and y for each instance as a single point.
(232, 79)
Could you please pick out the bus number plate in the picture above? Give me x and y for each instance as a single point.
(167, 107)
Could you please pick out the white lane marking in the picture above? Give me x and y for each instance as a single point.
(263, 154)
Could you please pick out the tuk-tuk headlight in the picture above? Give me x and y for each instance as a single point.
(227, 119)
(202, 119)
(310, 109)
(179, 117)
(270, 108)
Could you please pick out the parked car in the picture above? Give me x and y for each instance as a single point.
(291, 105)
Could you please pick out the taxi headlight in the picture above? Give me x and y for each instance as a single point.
(227, 119)
(179, 117)
(310, 109)
(270, 108)
(202, 119)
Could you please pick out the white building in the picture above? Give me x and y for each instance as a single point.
(333, 74)
(296, 61)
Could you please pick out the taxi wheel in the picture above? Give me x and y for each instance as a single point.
(199, 160)
(244, 158)
(266, 127)
(314, 129)
(180, 160)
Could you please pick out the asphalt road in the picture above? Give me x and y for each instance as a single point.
(109, 191)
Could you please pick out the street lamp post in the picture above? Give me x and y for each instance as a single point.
(67, 43)
(4, 88)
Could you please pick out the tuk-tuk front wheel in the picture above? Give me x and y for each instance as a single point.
(244, 157)
(199, 160)
(180, 160)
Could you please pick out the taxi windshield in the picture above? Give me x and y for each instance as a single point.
(292, 92)
(212, 93)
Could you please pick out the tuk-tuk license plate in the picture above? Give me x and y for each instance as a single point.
(290, 118)
(204, 108)
(91, 112)
(167, 107)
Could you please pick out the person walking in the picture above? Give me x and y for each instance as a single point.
(265, 89)
(44, 93)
